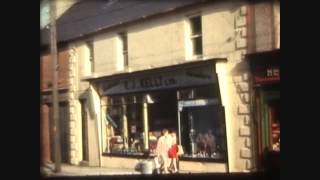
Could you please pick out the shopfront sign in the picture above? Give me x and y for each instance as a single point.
(267, 75)
(171, 79)
(197, 102)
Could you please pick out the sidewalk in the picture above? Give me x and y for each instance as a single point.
(70, 170)
(84, 172)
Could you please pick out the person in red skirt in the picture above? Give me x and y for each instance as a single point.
(173, 152)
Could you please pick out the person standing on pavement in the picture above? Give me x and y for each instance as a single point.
(173, 151)
(163, 146)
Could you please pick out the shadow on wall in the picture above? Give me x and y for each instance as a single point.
(241, 79)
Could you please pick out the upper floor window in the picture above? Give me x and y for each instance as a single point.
(124, 45)
(91, 55)
(196, 35)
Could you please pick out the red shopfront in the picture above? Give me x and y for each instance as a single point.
(265, 69)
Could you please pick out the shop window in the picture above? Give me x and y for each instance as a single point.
(125, 125)
(203, 132)
(194, 113)
(202, 123)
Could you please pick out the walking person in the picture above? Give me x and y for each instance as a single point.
(163, 146)
(173, 152)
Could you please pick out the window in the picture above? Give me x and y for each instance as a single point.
(196, 35)
(194, 113)
(125, 127)
(124, 45)
(202, 131)
(202, 123)
(91, 55)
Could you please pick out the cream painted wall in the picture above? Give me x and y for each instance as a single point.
(277, 23)
(162, 42)
(156, 43)
(105, 48)
(218, 30)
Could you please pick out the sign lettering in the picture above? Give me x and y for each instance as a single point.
(188, 77)
(267, 75)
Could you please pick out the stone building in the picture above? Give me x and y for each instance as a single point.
(137, 67)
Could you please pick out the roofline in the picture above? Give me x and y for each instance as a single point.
(143, 18)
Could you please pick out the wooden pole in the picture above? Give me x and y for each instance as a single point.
(55, 99)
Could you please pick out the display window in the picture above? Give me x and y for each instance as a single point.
(195, 113)
(202, 123)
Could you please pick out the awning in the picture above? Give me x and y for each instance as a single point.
(177, 76)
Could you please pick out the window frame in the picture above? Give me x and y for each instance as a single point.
(123, 36)
(90, 46)
(193, 36)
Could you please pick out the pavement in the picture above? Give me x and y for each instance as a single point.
(86, 172)
(70, 170)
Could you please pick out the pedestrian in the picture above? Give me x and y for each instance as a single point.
(173, 152)
(163, 146)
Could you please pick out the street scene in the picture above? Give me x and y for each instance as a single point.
(159, 88)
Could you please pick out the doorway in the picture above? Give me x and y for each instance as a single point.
(267, 114)
(64, 131)
(84, 124)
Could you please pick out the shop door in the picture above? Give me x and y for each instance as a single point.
(64, 134)
(267, 114)
(84, 119)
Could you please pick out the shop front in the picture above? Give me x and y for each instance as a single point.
(266, 84)
(181, 98)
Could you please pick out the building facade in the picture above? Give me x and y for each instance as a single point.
(185, 68)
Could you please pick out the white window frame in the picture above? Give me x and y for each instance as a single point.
(190, 46)
(123, 63)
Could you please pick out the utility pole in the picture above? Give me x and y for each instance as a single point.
(55, 99)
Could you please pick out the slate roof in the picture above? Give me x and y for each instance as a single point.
(89, 16)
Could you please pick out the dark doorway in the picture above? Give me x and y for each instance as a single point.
(64, 131)
(84, 119)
